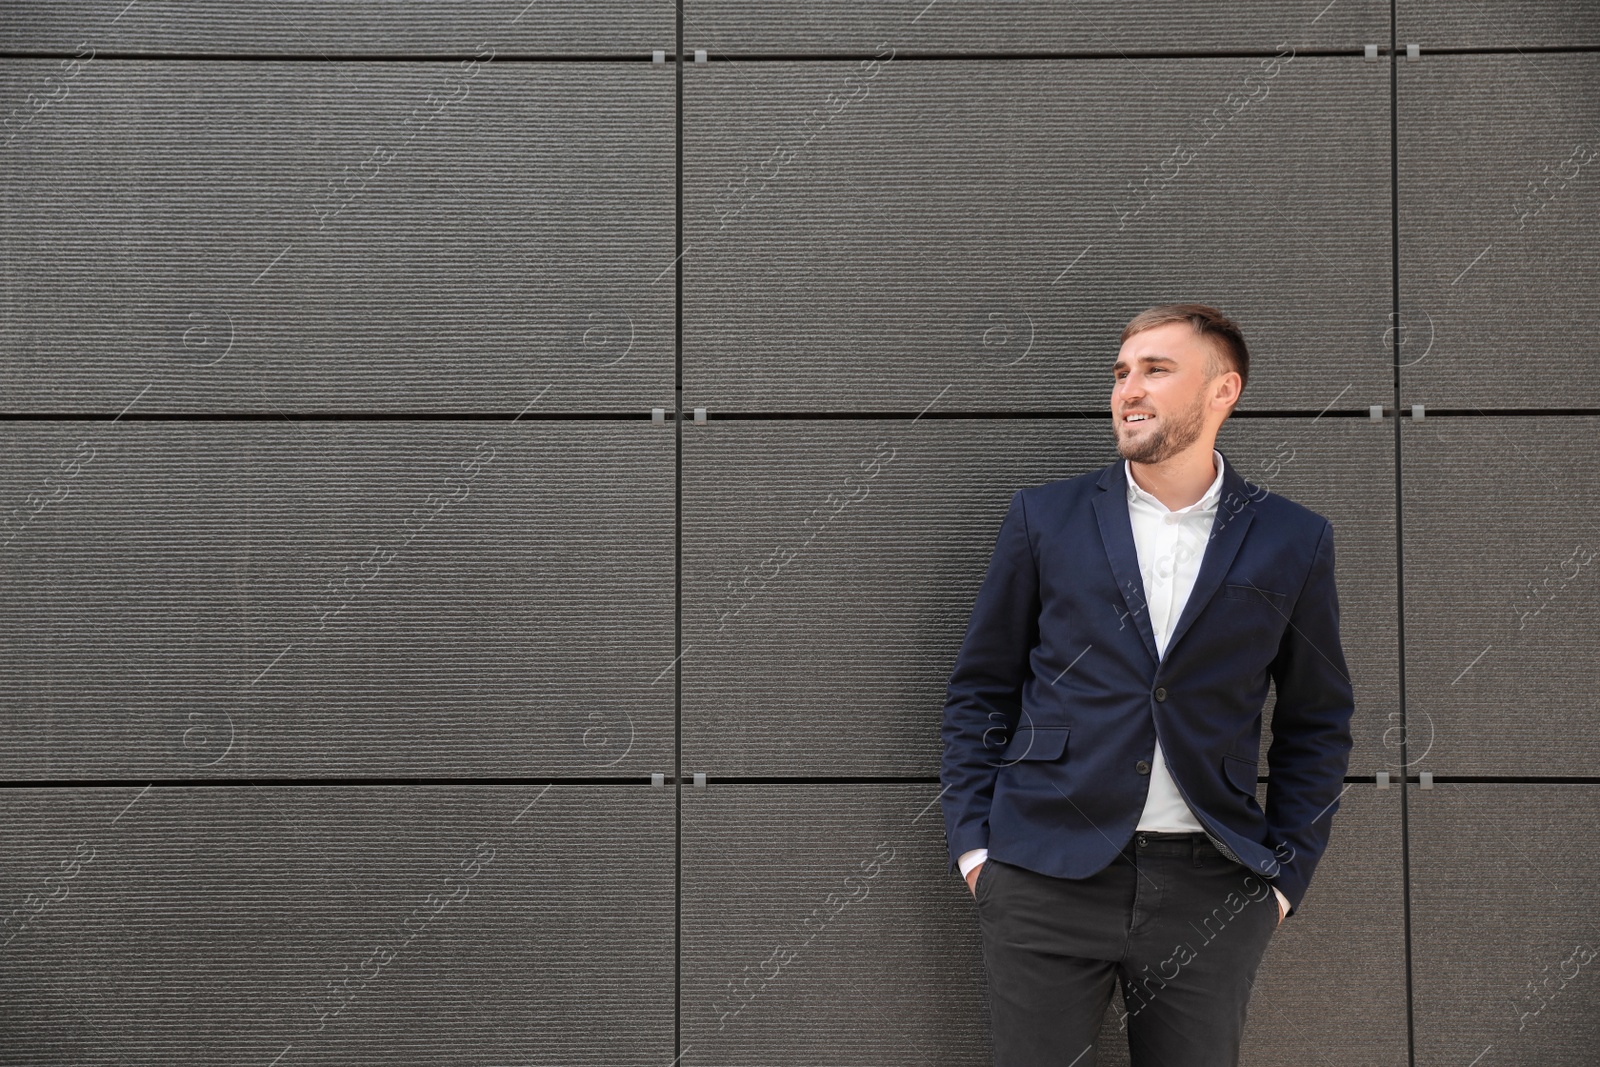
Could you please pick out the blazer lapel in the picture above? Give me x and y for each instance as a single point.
(1116, 533)
(1235, 509)
(1236, 506)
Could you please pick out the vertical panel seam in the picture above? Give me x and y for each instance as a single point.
(1399, 537)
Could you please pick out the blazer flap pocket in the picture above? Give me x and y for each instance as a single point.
(1241, 772)
(1032, 742)
(1256, 594)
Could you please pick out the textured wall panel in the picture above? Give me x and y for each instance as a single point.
(1504, 935)
(1501, 613)
(315, 237)
(1499, 225)
(334, 598)
(338, 27)
(980, 232)
(822, 616)
(820, 925)
(1028, 25)
(337, 925)
(1529, 23)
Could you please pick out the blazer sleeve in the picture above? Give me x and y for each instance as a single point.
(983, 700)
(1310, 750)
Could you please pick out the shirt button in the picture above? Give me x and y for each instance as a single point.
(1143, 767)
(1161, 692)
(1172, 520)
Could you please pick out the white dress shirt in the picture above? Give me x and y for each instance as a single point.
(1171, 545)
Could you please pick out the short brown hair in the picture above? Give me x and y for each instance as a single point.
(1227, 341)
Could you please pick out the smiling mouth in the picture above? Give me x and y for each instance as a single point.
(1129, 421)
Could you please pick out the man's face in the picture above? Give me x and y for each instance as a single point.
(1160, 373)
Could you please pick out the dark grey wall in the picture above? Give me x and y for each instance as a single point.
(372, 596)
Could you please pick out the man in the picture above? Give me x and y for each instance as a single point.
(1103, 721)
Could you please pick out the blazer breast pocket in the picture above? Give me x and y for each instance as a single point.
(1241, 772)
(1255, 595)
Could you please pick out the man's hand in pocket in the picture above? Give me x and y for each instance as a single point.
(972, 878)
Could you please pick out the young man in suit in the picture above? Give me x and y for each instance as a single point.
(1102, 724)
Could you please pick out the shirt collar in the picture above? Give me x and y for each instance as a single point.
(1206, 501)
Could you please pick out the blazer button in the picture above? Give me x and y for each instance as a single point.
(1143, 767)
(1161, 692)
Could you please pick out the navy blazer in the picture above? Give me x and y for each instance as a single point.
(1058, 694)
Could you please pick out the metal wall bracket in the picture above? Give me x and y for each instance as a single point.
(1426, 779)
(657, 779)
(699, 55)
(1413, 52)
(658, 414)
(699, 414)
(1376, 411)
(658, 56)
(699, 779)
(1371, 53)
(1416, 412)
(1383, 779)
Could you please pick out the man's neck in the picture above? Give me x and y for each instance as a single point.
(1178, 482)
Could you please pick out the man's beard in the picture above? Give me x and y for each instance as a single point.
(1176, 433)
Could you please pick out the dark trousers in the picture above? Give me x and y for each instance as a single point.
(1181, 926)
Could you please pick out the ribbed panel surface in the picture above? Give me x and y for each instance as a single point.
(339, 237)
(335, 28)
(425, 598)
(1503, 904)
(1502, 616)
(813, 916)
(1030, 25)
(1540, 23)
(862, 242)
(338, 925)
(1499, 225)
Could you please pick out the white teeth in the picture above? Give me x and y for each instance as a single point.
(1137, 418)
